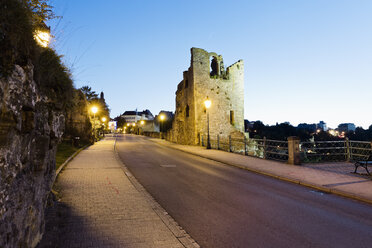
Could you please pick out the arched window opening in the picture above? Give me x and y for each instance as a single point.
(214, 67)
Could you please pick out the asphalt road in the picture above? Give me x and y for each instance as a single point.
(223, 206)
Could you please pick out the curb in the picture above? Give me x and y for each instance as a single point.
(282, 178)
(67, 161)
(180, 234)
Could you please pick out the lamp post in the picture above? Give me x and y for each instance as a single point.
(133, 128)
(104, 120)
(142, 122)
(94, 111)
(207, 104)
(162, 118)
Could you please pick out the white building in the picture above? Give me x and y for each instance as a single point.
(135, 116)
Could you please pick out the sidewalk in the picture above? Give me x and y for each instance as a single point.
(102, 205)
(331, 178)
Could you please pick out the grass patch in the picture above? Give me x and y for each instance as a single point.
(64, 151)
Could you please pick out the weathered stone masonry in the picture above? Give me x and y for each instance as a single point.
(207, 77)
(30, 128)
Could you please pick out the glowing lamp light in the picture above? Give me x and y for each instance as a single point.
(162, 117)
(104, 119)
(128, 125)
(94, 110)
(134, 124)
(207, 103)
(42, 37)
(142, 122)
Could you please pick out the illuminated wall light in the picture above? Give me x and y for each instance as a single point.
(42, 38)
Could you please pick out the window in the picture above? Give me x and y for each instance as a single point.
(187, 111)
(231, 117)
(214, 67)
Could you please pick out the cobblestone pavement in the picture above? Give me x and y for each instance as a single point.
(338, 167)
(100, 207)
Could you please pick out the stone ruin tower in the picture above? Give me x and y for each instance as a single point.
(207, 77)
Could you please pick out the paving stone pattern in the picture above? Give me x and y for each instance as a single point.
(100, 207)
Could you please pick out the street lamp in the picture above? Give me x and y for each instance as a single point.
(162, 118)
(94, 110)
(142, 122)
(207, 104)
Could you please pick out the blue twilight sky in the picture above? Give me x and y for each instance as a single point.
(305, 60)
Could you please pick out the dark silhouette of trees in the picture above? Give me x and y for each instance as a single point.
(284, 130)
(277, 132)
(94, 100)
(361, 134)
(89, 94)
(120, 121)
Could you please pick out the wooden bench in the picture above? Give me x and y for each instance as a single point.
(364, 164)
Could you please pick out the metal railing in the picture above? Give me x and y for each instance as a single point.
(310, 152)
(323, 151)
(261, 148)
(334, 151)
(276, 150)
(358, 150)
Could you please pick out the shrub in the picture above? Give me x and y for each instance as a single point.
(53, 77)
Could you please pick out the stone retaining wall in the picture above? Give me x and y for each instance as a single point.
(30, 128)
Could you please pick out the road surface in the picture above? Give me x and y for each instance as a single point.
(223, 206)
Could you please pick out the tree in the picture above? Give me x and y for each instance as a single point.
(325, 136)
(120, 121)
(41, 11)
(93, 100)
(89, 94)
